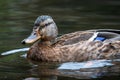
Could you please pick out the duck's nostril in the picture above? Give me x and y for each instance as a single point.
(23, 42)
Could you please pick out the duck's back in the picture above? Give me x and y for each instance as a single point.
(75, 37)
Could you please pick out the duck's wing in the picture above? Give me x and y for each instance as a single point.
(74, 37)
(110, 35)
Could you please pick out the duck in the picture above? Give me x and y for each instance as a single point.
(77, 46)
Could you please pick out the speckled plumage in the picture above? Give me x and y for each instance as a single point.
(75, 46)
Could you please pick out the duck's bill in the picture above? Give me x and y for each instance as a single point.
(31, 39)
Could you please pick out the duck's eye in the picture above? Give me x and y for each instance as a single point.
(34, 34)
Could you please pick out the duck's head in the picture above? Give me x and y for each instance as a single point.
(44, 29)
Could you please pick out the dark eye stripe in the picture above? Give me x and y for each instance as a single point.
(36, 24)
(47, 24)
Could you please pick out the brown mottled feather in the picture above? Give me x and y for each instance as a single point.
(74, 47)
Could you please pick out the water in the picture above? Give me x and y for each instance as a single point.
(16, 22)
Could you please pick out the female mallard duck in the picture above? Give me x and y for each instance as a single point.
(76, 46)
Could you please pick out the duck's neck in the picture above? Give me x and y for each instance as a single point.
(44, 43)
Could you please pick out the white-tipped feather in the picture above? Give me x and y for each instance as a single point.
(93, 37)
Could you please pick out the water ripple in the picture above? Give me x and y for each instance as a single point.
(14, 51)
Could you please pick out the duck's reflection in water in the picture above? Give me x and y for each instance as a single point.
(31, 78)
(76, 70)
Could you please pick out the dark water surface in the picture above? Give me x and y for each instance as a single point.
(16, 22)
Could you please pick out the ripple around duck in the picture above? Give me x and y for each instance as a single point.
(14, 51)
(88, 64)
(77, 70)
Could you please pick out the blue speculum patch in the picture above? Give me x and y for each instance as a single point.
(99, 39)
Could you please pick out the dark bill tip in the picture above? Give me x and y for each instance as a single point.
(23, 42)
